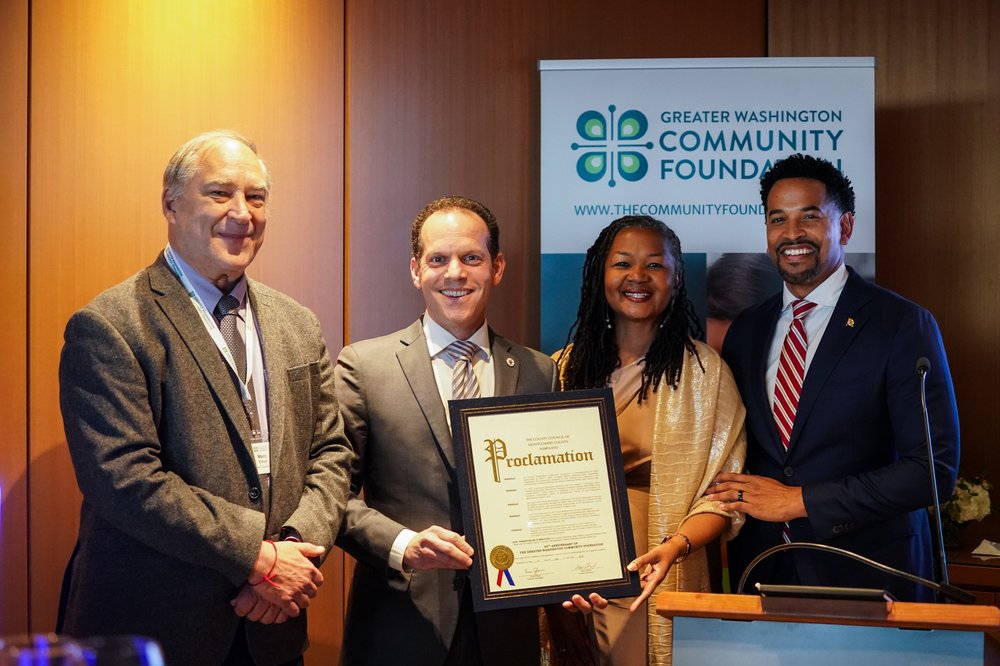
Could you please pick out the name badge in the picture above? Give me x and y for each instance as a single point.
(262, 457)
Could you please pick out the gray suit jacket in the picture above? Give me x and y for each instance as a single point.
(406, 466)
(173, 508)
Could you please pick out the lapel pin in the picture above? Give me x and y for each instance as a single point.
(850, 322)
(510, 362)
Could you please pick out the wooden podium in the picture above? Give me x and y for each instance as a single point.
(750, 631)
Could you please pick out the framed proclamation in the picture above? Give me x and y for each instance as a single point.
(543, 498)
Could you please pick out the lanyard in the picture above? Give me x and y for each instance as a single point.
(212, 326)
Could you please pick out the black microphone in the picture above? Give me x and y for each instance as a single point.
(944, 588)
(948, 590)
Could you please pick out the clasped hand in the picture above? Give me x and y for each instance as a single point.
(282, 583)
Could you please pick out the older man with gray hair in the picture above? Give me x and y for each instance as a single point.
(200, 416)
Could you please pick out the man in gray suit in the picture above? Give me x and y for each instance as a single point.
(200, 415)
(409, 601)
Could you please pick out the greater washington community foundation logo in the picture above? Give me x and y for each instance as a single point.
(609, 145)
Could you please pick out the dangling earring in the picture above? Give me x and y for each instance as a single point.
(607, 321)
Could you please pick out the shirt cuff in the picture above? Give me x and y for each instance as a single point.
(398, 548)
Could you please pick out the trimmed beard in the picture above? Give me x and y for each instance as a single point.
(802, 277)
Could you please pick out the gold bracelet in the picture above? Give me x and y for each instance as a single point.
(687, 541)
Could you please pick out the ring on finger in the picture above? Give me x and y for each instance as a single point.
(739, 495)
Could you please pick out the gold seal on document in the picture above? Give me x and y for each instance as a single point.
(501, 557)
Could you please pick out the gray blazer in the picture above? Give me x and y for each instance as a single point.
(406, 466)
(173, 508)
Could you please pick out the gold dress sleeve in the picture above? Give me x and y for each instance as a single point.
(698, 433)
(673, 445)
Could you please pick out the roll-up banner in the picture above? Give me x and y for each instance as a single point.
(686, 141)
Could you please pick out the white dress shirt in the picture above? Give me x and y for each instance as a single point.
(210, 295)
(482, 366)
(825, 296)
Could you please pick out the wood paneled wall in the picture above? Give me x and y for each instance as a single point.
(14, 310)
(937, 156)
(116, 87)
(441, 97)
(444, 99)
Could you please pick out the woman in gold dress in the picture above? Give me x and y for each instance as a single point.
(680, 421)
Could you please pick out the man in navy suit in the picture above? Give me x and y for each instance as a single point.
(851, 468)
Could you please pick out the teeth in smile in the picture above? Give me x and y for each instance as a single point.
(637, 294)
(455, 293)
(797, 252)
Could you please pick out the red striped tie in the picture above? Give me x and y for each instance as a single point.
(788, 383)
(791, 371)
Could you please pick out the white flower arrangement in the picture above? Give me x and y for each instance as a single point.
(971, 501)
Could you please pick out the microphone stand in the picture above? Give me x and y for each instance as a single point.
(946, 589)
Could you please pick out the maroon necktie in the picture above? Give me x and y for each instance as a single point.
(791, 371)
(788, 382)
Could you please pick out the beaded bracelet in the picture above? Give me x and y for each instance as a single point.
(271, 570)
(687, 541)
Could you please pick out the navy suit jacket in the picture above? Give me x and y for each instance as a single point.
(857, 447)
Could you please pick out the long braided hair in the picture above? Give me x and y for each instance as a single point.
(594, 354)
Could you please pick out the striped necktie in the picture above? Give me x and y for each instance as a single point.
(788, 383)
(791, 371)
(463, 381)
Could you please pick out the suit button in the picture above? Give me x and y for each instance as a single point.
(837, 529)
(788, 472)
(458, 582)
(254, 494)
